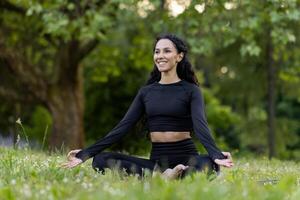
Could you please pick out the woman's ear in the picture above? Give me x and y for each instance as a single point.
(180, 57)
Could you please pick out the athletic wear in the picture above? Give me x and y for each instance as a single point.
(164, 155)
(168, 107)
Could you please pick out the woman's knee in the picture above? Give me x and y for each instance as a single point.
(204, 163)
(99, 161)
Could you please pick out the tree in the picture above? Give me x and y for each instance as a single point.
(248, 43)
(43, 45)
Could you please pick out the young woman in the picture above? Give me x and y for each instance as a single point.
(173, 105)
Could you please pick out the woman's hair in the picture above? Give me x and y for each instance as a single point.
(184, 67)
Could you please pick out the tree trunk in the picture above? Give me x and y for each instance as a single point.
(162, 5)
(66, 104)
(66, 99)
(271, 97)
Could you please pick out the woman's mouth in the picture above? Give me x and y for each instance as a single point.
(161, 62)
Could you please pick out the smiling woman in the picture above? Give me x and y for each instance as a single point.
(174, 107)
(166, 56)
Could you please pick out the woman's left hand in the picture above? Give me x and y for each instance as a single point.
(73, 161)
(225, 162)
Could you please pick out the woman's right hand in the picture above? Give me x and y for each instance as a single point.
(72, 160)
(228, 162)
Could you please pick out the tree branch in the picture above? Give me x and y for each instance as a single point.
(9, 94)
(86, 48)
(24, 72)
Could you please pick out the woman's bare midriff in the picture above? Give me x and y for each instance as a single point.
(169, 136)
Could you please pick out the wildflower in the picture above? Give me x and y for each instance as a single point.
(18, 139)
(19, 121)
(13, 182)
(77, 180)
(146, 186)
(42, 191)
(84, 185)
(26, 191)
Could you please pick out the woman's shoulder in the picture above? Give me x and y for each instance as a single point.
(145, 88)
(190, 86)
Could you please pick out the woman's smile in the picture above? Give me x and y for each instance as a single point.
(161, 63)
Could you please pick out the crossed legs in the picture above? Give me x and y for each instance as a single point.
(131, 164)
(136, 165)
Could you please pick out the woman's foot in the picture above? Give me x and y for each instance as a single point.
(174, 173)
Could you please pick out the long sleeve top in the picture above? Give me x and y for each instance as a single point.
(168, 107)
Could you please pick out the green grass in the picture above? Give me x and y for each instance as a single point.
(26, 174)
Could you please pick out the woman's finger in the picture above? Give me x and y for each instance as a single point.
(229, 164)
(74, 164)
(226, 160)
(64, 165)
(71, 158)
(228, 155)
(225, 163)
(70, 165)
(229, 158)
(73, 152)
(70, 153)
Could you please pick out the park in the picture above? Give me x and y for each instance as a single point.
(69, 71)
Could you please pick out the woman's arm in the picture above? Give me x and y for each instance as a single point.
(200, 125)
(133, 114)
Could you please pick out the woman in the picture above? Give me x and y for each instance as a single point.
(174, 106)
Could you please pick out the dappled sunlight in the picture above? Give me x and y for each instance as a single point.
(177, 7)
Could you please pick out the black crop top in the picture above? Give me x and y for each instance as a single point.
(168, 107)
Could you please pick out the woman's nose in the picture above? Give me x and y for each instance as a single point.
(160, 55)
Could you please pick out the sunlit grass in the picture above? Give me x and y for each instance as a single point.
(26, 174)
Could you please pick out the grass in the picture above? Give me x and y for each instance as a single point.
(27, 174)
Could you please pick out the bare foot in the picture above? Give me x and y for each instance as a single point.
(174, 173)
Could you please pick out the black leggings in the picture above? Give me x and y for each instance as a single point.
(163, 155)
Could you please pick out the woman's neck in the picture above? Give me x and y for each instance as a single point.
(169, 78)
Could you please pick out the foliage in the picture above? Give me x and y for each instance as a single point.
(229, 40)
(228, 43)
(39, 127)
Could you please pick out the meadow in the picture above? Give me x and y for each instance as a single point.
(29, 174)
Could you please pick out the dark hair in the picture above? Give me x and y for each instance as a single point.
(184, 67)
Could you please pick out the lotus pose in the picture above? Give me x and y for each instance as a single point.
(174, 107)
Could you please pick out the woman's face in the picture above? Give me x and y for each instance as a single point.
(166, 56)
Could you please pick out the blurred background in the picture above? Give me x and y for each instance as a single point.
(69, 69)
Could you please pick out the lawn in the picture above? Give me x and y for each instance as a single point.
(28, 174)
